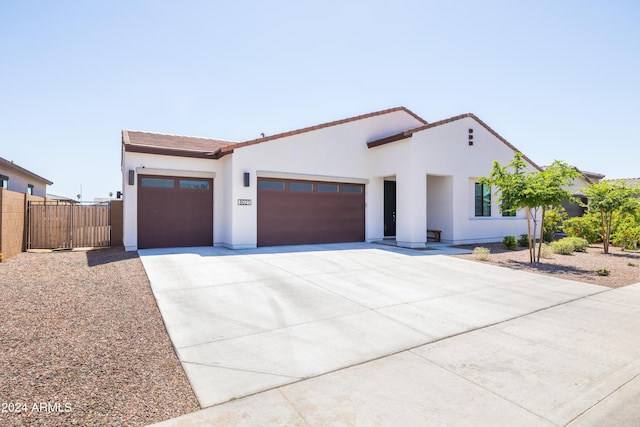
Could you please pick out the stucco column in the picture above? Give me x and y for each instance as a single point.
(411, 209)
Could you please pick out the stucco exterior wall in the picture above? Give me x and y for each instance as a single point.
(445, 150)
(18, 182)
(337, 153)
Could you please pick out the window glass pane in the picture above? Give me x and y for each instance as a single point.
(301, 186)
(194, 184)
(328, 188)
(271, 185)
(157, 182)
(352, 189)
(482, 199)
(30, 189)
(486, 200)
(478, 199)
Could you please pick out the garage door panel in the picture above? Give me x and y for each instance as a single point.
(174, 212)
(289, 217)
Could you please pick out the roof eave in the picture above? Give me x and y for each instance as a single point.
(146, 149)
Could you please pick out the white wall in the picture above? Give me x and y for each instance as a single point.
(337, 153)
(440, 205)
(445, 150)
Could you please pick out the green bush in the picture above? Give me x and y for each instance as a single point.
(579, 244)
(481, 254)
(587, 226)
(523, 241)
(562, 247)
(510, 242)
(627, 233)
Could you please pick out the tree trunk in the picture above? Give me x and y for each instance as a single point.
(533, 234)
(541, 234)
(529, 234)
(605, 240)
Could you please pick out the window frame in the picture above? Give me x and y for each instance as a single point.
(30, 188)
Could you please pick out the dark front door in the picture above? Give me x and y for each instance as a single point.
(389, 208)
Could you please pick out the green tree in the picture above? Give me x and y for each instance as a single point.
(605, 199)
(534, 191)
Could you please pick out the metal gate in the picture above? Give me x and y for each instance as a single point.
(56, 225)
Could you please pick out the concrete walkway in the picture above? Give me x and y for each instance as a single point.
(360, 334)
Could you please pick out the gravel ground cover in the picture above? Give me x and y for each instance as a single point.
(82, 343)
(624, 266)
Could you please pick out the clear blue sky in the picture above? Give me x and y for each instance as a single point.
(558, 79)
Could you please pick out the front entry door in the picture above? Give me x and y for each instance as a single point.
(389, 208)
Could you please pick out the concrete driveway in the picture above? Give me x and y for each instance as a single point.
(365, 325)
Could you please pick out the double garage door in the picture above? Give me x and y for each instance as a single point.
(178, 212)
(292, 212)
(174, 211)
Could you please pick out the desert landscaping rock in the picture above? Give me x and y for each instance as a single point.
(82, 343)
(624, 266)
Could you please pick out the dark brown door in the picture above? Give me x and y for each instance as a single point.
(307, 212)
(174, 212)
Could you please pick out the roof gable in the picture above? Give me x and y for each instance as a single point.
(229, 149)
(408, 133)
(12, 166)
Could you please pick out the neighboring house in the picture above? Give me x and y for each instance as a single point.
(18, 179)
(387, 174)
(54, 197)
(579, 184)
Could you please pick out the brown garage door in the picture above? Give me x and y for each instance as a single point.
(174, 211)
(303, 212)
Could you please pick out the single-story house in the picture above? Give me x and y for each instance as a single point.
(387, 174)
(18, 179)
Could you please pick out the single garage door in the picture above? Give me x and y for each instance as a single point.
(294, 212)
(174, 211)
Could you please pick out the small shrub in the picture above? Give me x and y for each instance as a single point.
(510, 242)
(630, 264)
(546, 251)
(603, 272)
(562, 247)
(523, 241)
(579, 244)
(481, 254)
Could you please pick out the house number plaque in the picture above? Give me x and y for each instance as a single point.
(244, 202)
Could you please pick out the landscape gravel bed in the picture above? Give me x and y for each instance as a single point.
(623, 266)
(82, 343)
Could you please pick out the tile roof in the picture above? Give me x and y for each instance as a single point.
(408, 133)
(626, 181)
(10, 165)
(187, 146)
(177, 145)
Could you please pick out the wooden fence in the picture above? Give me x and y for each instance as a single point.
(54, 225)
